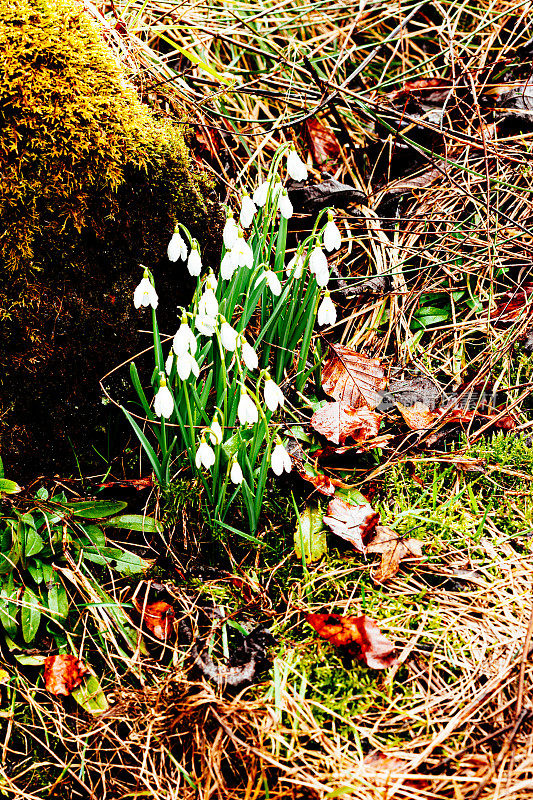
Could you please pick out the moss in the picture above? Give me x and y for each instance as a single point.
(92, 184)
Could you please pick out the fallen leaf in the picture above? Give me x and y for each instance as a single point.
(63, 673)
(381, 766)
(310, 535)
(359, 636)
(430, 90)
(134, 483)
(392, 549)
(355, 523)
(353, 378)
(338, 421)
(322, 141)
(158, 618)
(511, 305)
(321, 482)
(418, 416)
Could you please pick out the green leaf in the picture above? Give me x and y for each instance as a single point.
(135, 522)
(42, 494)
(58, 601)
(36, 570)
(124, 562)
(90, 696)
(33, 543)
(9, 487)
(8, 611)
(147, 447)
(30, 615)
(232, 445)
(310, 535)
(96, 509)
(95, 534)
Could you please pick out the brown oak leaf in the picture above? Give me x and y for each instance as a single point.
(353, 378)
(358, 636)
(322, 141)
(63, 673)
(338, 421)
(355, 523)
(418, 416)
(158, 618)
(393, 550)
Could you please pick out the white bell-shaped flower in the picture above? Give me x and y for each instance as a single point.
(235, 474)
(205, 324)
(163, 402)
(211, 281)
(228, 336)
(184, 339)
(280, 460)
(186, 364)
(243, 253)
(205, 455)
(327, 313)
(296, 167)
(248, 211)
(322, 278)
(273, 282)
(261, 193)
(208, 304)
(247, 412)
(194, 262)
(285, 205)
(295, 267)
(177, 247)
(317, 260)
(332, 236)
(145, 294)
(215, 432)
(228, 265)
(274, 397)
(249, 356)
(230, 232)
(169, 363)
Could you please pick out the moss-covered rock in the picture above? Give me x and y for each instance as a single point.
(92, 182)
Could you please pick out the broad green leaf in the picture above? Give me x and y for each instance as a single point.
(96, 509)
(135, 522)
(90, 696)
(33, 543)
(30, 615)
(35, 568)
(124, 562)
(310, 537)
(42, 494)
(95, 534)
(232, 445)
(8, 611)
(58, 601)
(9, 487)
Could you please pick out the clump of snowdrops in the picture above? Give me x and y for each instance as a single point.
(217, 390)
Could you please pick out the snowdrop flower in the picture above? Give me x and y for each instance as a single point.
(272, 281)
(295, 267)
(176, 247)
(145, 294)
(317, 261)
(296, 167)
(208, 305)
(186, 364)
(205, 455)
(211, 282)
(248, 211)
(235, 474)
(163, 402)
(273, 395)
(184, 339)
(249, 356)
(230, 232)
(228, 265)
(332, 235)
(261, 193)
(169, 363)
(194, 262)
(285, 205)
(280, 460)
(215, 431)
(228, 336)
(322, 277)
(247, 410)
(205, 324)
(243, 253)
(327, 314)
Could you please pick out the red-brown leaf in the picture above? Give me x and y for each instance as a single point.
(322, 141)
(355, 523)
(338, 421)
(359, 636)
(158, 618)
(353, 378)
(63, 673)
(418, 416)
(322, 483)
(392, 549)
